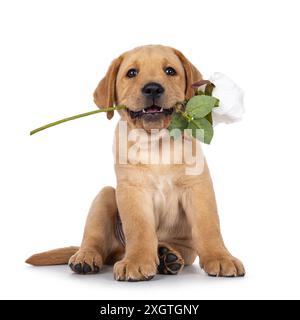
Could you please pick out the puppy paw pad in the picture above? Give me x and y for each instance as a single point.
(170, 261)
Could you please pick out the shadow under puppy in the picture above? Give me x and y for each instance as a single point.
(158, 218)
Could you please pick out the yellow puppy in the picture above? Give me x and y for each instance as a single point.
(160, 216)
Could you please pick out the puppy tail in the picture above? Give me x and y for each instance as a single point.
(52, 257)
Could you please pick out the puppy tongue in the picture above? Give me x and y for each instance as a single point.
(152, 109)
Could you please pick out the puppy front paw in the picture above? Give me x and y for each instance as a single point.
(222, 266)
(131, 270)
(86, 261)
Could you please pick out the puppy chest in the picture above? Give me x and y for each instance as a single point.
(165, 201)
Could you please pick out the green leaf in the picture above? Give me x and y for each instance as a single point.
(202, 130)
(177, 122)
(209, 118)
(199, 106)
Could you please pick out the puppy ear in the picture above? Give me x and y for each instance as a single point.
(105, 93)
(192, 74)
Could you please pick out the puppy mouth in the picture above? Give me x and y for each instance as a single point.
(153, 110)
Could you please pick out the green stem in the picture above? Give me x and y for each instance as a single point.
(76, 117)
(185, 115)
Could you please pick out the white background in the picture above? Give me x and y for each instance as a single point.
(53, 53)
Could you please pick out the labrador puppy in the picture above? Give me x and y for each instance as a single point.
(158, 218)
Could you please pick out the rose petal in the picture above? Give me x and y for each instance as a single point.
(231, 108)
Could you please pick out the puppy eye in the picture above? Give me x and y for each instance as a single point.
(170, 71)
(131, 73)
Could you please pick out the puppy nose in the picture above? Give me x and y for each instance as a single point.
(152, 90)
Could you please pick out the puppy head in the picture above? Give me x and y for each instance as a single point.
(148, 80)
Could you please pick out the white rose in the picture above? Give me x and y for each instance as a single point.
(231, 108)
